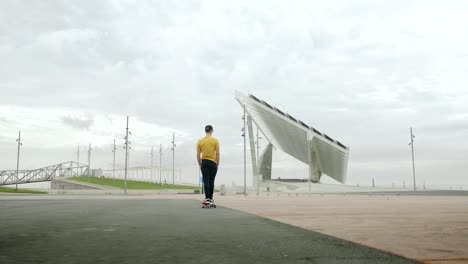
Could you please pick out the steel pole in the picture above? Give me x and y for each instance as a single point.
(77, 160)
(89, 159)
(160, 163)
(412, 154)
(173, 158)
(258, 145)
(310, 162)
(245, 154)
(17, 159)
(256, 173)
(151, 175)
(126, 158)
(113, 172)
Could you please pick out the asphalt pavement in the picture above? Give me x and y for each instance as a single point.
(161, 231)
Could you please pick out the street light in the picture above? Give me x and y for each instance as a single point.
(17, 160)
(160, 164)
(127, 148)
(152, 155)
(113, 170)
(257, 143)
(245, 154)
(89, 159)
(309, 155)
(412, 153)
(173, 157)
(77, 160)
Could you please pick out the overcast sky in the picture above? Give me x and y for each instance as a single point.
(361, 71)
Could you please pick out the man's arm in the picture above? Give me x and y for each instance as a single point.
(198, 156)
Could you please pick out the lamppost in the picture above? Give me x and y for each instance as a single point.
(127, 147)
(89, 159)
(160, 163)
(113, 169)
(78, 160)
(152, 155)
(412, 154)
(309, 155)
(245, 150)
(173, 158)
(18, 158)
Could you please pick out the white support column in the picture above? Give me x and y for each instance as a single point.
(253, 156)
(314, 170)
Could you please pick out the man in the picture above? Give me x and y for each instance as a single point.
(208, 160)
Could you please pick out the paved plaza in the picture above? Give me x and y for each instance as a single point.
(431, 227)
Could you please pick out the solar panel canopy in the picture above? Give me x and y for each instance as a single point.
(297, 139)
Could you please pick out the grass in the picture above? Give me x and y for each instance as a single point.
(11, 190)
(136, 185)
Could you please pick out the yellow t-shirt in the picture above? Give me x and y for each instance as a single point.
(208, 146)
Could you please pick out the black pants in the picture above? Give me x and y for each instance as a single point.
(209, 169)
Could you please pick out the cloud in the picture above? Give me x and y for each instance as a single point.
(362, 71)
(78, 122)
(449, 127)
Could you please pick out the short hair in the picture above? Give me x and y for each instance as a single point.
(209, 128)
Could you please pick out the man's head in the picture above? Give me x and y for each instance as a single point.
(209, 129)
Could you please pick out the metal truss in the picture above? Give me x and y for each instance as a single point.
(48, 173)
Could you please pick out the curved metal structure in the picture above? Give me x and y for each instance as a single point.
(48, 173)
(294, 137)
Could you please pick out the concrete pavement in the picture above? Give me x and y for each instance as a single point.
(431, 227)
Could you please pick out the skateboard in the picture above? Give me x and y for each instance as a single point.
(208, 205)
